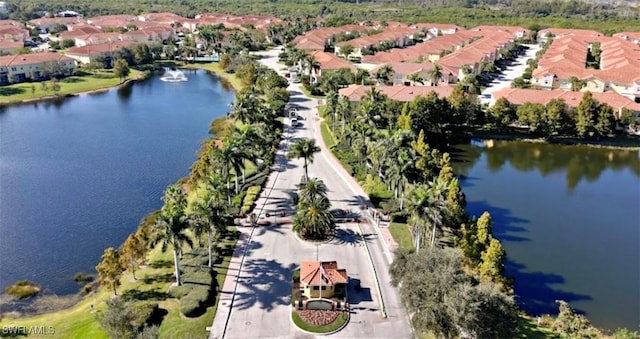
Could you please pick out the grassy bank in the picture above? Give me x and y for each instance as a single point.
(154, 279)
(90, 82)
(214, 67)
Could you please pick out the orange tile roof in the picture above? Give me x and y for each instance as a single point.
(520, 96)
(329, 61)
(33, 58)
(386, 35)
(316, 38)
(99, 48)
(423, 49)
(398, 93)
(325, 273)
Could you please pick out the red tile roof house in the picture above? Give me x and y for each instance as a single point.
(44, 24)
(519, 96)
(165, 18)
(438, 29)
(430, 50)
(97, 38)
(10, 46)
(14, 33)
(629, 36)
(328, 62)
(398, 93)
(35, 66)
(321, 38)
(403, 70)
(77, 31)
(88, 53)
(566, 58)
(398, 37)
(113, 21)
(322, 279)
(516, 31)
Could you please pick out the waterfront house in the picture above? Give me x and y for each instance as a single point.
(34, 67)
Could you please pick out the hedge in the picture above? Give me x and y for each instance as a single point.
(195, 302)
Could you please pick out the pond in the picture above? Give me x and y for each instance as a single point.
(569, 219)
(79, 174)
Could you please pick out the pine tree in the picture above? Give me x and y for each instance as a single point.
(109, 269)
(604, 120)
(485, 226)
(493, 258)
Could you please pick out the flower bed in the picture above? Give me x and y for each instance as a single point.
(318, 317)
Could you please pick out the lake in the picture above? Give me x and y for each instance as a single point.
(78, 175)
(569, 219)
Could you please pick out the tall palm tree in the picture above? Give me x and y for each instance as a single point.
(314, 220)
(168, 230)
(332, 106)
(231, 156)
(312, 189)
(304, 148)
(208, 215)
(247, 106)
(344, 110)
(435, 74)
(399, 173)
(428, 207)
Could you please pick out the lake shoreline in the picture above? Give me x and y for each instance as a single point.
(621, 142)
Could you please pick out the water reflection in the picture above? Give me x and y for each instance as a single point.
(579, 162)
(124, 92)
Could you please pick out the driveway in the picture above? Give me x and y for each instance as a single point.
(255, 299)
(504, 79)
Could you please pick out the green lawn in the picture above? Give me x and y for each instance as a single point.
(402, 235)
(70, 85)
(327, 135)
(78, 322)
(307, 93)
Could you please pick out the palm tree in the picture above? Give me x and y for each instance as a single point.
(361, 76)
(435, 74)
(208, 215)
(304, 148)
(384, 74)
(169, 228)
(344, 110)
(310, 63)
(399, 173)
(416, 77)
(428, 207)
(314, 220)
(231, 156)
(312, 189)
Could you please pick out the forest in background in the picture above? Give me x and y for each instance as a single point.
(605, 17)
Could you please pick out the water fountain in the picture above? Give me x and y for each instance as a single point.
(174, 76)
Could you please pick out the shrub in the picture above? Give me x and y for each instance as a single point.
(86, 289)
(81, 277)
(193, 303)
(296, 275)
(255, 190)
(179, 292)
(198, 276)
(196, 257)
(143, 310)
(399, 217)
(23, 289)
(237, 200)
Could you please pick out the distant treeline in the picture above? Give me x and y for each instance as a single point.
(608, 18)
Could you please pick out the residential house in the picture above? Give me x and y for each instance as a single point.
(10, 46)
(35, 67)
(163, 19)
(113, 21)
(150, 34)
(438, 29)
(393, 38)
(566, 58)
(430, 50)
(77, 31)
(402, 72)
(321, 38)
(397, 93)
(88, 53)
(519, 96)
(45, 24)
(15, 33)
(629, 36)
(97, 38)
(516, 31)
(562, 32)
(322, 279)
(328, 62)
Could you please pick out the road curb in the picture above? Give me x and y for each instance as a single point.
(383, 310)
(317, 333)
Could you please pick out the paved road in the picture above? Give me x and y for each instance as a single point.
(255, 299)
(506, 77)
